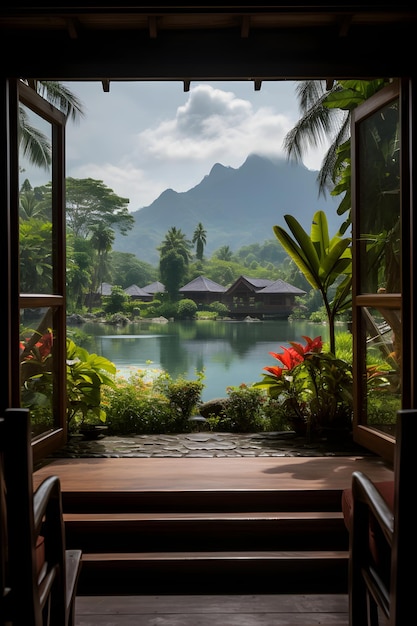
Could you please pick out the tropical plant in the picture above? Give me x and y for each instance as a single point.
(200, 240)
(324, 261)
(33, 143)
(184, 396)
(174, 258)
(326, 114)
(313, 387)
(243, 409)
(87, 374)
(91, 204)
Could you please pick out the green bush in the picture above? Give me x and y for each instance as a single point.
(219, 308)
(186, 309)
(184, 396)
(134, 406)
(151, 402)
(244, 412)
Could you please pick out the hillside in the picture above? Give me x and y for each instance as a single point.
(237, 207)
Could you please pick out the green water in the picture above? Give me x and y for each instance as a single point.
(230, 353)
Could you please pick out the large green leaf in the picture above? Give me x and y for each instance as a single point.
(320, 234)
(297, 254)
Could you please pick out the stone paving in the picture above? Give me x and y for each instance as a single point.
(206, 444)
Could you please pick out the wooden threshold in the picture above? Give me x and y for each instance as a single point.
(104, 475)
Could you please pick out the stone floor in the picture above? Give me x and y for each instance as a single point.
(206, 444)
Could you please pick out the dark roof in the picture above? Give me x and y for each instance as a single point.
(202, 284)
(134, 290)
(251, 284)
(280, 286)
(258, 283)
(105, 289)
(155, 287)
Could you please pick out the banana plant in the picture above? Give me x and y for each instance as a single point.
(324, 261)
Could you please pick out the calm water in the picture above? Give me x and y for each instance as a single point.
(230, 353)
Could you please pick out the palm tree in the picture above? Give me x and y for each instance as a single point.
(102, 239)
(34, 144)
(200, 239)
(174, 257)
(175, 240)
(326, 114)
(224, 253)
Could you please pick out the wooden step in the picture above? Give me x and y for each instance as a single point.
(214, 572)
(136, 532)
(201, 500)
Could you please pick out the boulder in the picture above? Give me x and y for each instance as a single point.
(215, 407)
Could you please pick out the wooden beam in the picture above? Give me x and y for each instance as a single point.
(244, 30)
(153, 26)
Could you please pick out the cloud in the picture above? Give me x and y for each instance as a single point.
(141, 139)
(215, 125)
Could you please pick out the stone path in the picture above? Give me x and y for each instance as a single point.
(206, 444)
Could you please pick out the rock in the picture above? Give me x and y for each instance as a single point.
(215, 407)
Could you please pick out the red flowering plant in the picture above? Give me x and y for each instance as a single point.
(36, 365)
(313, 387)
(36, 353)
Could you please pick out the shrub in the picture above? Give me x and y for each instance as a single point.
(184, 397)
(151, 402)
(134, 406)
(244, 412)
(186, 309)
(219, 308)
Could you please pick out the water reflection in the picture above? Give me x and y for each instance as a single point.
(230, 353)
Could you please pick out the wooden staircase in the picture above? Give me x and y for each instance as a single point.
(208, 541)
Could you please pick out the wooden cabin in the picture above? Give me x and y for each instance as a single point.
(262, 298)
(203, 291)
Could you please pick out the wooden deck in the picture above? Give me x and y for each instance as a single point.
(129, 475)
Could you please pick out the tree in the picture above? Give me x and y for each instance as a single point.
(90, 202)
(101, 240)
(200, 239)
(322, 260)
(176, 240)
(78, 271)
(30, 203)
(33, 143)
(224, 253)
(35, 256)
(127, 269)
(326, 114)
(174, 258)
(173, 270)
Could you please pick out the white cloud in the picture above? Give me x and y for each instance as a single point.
(142, 138)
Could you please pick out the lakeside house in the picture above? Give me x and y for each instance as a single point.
(256, 297)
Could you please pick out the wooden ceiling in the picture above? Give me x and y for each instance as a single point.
(154, 41)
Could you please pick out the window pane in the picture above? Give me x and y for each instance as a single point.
(37, 368)
(383, 367)
(35, 204)
(379, 201)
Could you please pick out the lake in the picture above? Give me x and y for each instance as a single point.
(229, 352)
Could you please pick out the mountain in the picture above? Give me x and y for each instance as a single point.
(236, 207)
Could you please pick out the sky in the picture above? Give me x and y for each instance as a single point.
(142, 138)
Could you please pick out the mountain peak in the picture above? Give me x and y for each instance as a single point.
(236, 206)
